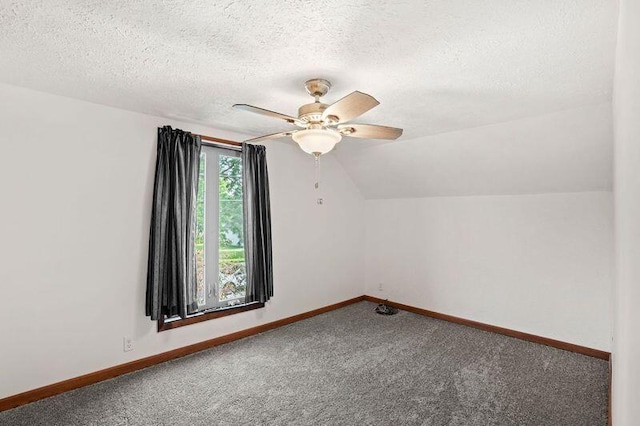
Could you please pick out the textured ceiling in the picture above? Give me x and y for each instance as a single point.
(435, 66)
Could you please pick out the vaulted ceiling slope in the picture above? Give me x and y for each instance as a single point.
(566, 151)
(436, 66)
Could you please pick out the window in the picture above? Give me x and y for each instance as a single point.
(219, 230)
(220, 260)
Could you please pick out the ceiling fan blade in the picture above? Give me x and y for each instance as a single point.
(268, 113)
(351, 106)
(369, 131)
(271, 136)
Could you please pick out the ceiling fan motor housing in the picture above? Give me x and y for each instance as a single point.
(312, 113)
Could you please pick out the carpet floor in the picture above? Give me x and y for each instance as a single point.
(347, 367)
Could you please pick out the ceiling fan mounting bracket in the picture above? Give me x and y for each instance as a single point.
(317, 87)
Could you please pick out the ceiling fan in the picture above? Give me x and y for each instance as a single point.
(322, 126)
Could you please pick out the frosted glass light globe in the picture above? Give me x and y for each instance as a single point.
(317, 141)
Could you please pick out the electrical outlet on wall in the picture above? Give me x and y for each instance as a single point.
(380, 287)
(127, 343)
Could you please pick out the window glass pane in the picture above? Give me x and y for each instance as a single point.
(231, 275)
(221, 276)
(200, 227)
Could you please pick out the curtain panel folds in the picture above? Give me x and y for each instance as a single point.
(171, 270)
(257, 223)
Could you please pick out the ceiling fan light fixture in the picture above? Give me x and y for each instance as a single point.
(317, 141)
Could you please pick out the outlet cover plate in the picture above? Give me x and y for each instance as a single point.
(127, 343)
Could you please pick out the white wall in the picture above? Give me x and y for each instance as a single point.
(626, 352)
(76, 183)
(541, 264)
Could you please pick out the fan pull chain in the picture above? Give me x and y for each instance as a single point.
(316, 156)
(317, 166)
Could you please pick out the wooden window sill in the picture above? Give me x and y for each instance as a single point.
(164, 325)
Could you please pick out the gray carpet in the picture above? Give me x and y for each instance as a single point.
(347, 367)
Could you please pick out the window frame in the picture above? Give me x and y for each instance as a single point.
(217, 311)
(212, 227)
(165, 324)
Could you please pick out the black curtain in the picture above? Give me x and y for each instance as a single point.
(257, 223)
(171, 270)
